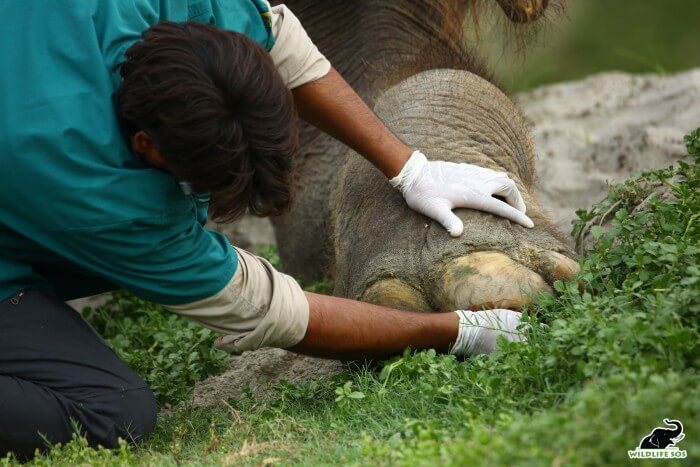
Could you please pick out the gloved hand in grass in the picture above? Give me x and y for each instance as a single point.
(479, 331)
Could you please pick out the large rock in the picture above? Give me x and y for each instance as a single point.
(604, 128)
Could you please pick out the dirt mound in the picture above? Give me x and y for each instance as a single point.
(261, 371)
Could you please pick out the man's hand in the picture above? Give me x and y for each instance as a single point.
(435, 188)
(479, 331)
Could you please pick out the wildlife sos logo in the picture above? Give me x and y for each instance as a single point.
(661, 443)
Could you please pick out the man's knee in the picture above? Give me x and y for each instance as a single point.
(128, 414)
(136, 418)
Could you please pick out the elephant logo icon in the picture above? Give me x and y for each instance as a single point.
(662, 438)
(661, 442)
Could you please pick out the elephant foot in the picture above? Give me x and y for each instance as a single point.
(486, 279)
(394, 293)
(476, 281)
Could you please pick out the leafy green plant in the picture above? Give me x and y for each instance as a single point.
(347, 393)
(270, 253)
(692, 142)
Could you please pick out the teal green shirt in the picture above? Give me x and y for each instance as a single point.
(79, 212)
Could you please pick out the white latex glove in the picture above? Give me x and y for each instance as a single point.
(434, 188)
(478, 331)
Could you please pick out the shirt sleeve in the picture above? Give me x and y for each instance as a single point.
(259, 307)
(296, 57)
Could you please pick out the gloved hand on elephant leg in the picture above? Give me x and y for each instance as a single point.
(434, 188)
(479, 330)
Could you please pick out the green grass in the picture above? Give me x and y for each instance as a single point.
(606, 365)
(638, 36)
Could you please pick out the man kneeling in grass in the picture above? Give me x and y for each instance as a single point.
(124, 124)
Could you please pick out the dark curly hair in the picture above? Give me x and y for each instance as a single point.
(219, 113)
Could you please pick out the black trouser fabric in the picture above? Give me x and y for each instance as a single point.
(56, 372)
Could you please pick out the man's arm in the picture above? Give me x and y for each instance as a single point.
(262, 307)
(432, 188)
(331, 105)
(347, 329)
(326, 101)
